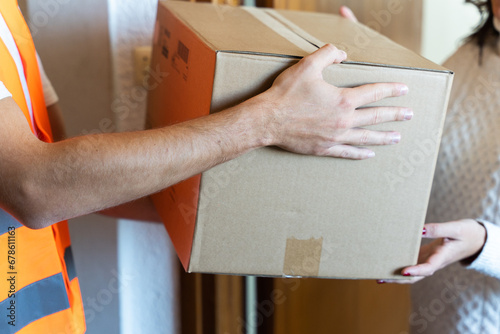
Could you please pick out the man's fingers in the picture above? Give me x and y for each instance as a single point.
(324, 57)
(364, 137)
(372, 116)
(366, 94)
(350, 152)
(347, 13)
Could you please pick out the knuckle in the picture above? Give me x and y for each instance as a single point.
(335, 139)
(345, 103)
(365, 137)
(377, 116)
(378, 94)
(318, 151)
(307, 62)
(331, 47)
(431, 230)
(344, 154)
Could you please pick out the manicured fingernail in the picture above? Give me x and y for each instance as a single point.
(343, 54)
(380, 282)
(371, 154)
(408, 114)
(404, 90)
(424, 231)
(406, 274)
(396, 138)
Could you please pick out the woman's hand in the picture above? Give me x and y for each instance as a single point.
(347, 13)
(455, 241)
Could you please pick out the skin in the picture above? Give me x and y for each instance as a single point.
(140, 209)
(46, 183)
(454, 241)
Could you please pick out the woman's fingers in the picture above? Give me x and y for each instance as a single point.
(401, 281)
(347, 13)
(452, 230)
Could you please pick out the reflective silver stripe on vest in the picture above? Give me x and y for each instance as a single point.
(33, 302)
(7, 221)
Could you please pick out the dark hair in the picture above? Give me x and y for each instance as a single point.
(485, 31)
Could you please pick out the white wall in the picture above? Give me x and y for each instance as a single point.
(445, 24)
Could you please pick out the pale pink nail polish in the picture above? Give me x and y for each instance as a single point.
(408, 115)
(396, 138)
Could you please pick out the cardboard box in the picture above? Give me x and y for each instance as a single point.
(275, 213)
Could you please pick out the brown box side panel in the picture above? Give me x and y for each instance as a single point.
(180, 90)
(369, 214)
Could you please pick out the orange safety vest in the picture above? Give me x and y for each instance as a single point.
(39, 291)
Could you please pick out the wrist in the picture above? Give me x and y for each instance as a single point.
(479, 244)
(262, 115)
(488, 261)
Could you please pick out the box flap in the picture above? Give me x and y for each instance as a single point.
(228, 28)
(362, 44)
(292, 33)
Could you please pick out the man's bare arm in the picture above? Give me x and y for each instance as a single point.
(140, 209)
(45, 183)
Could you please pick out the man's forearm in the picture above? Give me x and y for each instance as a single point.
(91, 173)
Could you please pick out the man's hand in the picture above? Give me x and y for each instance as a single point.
(455, 241)
(313, 117)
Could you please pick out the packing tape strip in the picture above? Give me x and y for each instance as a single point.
(295, 28)
(302, 257)
(279, 28)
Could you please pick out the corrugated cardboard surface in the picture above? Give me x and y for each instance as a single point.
(271, 212)
(180, 89)
(369, 213)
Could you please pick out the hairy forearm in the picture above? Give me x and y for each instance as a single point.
(92, 173)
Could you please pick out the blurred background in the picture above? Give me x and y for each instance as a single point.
(130, 277)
